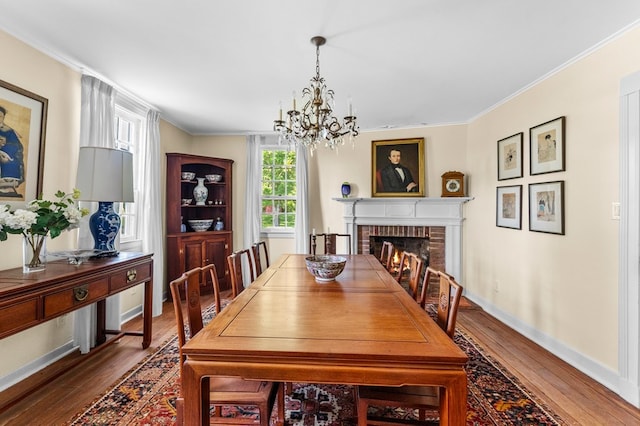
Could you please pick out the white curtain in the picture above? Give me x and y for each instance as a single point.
(97, 116)
(302, 199)
(252, 208)
(152, 241)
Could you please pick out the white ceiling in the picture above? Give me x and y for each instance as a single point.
(220, 67)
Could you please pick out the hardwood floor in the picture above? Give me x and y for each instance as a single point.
(575, 397)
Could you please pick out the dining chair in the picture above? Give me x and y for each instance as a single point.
(422, 398)
(329, 243)
(386, 254)
(222, 390)
(260, 256)
(236, 261)
(410, 263)
(431, 276)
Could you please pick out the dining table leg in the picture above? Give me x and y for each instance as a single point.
(453, 401)
(195, 390)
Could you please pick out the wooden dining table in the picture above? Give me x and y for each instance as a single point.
(361, 329)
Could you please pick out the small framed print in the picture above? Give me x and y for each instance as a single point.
(509, 206)
(547, 147)
(546, 207)
(510, 157)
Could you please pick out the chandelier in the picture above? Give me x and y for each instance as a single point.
(314, 123)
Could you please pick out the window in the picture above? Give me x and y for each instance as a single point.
(278, 189)
(129, 134)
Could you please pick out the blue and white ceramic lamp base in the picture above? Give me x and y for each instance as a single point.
(104, 225)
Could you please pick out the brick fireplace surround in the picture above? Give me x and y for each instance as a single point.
(440, 219)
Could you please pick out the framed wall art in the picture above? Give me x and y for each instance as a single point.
(510, 157)
(509, 206)
(546, 207)
(397, 168)
(547, 147)
(23, 117)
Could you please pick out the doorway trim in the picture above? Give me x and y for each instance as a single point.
(629, 241)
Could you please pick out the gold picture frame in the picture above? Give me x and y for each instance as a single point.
(404, 180)
(22, 135)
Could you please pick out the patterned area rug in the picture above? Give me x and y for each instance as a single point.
(146, 396)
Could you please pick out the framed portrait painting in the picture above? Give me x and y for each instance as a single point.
(23, 117)
(546, 207)
(397, 168)
(509, 206)
(547, 147)
(510, 157)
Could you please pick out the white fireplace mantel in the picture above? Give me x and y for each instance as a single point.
(446, 211)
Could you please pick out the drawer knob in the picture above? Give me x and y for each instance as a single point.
(131, 275)
(81, 293)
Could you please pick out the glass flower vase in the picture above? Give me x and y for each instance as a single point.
(34, 252)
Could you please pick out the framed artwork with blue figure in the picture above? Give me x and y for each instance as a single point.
(23, 117)
(398, 168)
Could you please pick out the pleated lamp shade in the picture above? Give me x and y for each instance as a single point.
(105, 174)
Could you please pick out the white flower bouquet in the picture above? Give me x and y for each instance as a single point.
(41, 218)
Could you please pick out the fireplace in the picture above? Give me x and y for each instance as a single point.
(439, 220)
(417, 245)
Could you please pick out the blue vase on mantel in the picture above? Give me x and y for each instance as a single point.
(345, 189)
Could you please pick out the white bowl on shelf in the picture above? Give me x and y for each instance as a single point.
(200, 225)
(186, 201)
(213, 178)
(187, 175)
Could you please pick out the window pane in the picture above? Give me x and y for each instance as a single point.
(278, 188)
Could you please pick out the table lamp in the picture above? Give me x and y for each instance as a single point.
(105, 175)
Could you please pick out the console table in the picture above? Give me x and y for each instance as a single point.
(29, 299)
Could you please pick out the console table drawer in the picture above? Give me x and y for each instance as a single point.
(18, 316)
(81, 294)
(131, 276)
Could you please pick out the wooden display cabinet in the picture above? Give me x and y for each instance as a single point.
(186, 248)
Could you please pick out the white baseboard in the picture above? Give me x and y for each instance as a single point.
(598, 372)
(136, 311)
(36, 365)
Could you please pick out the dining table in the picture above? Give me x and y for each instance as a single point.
(363, 328)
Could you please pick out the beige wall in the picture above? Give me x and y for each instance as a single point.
(564, 287)
(37, 73)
